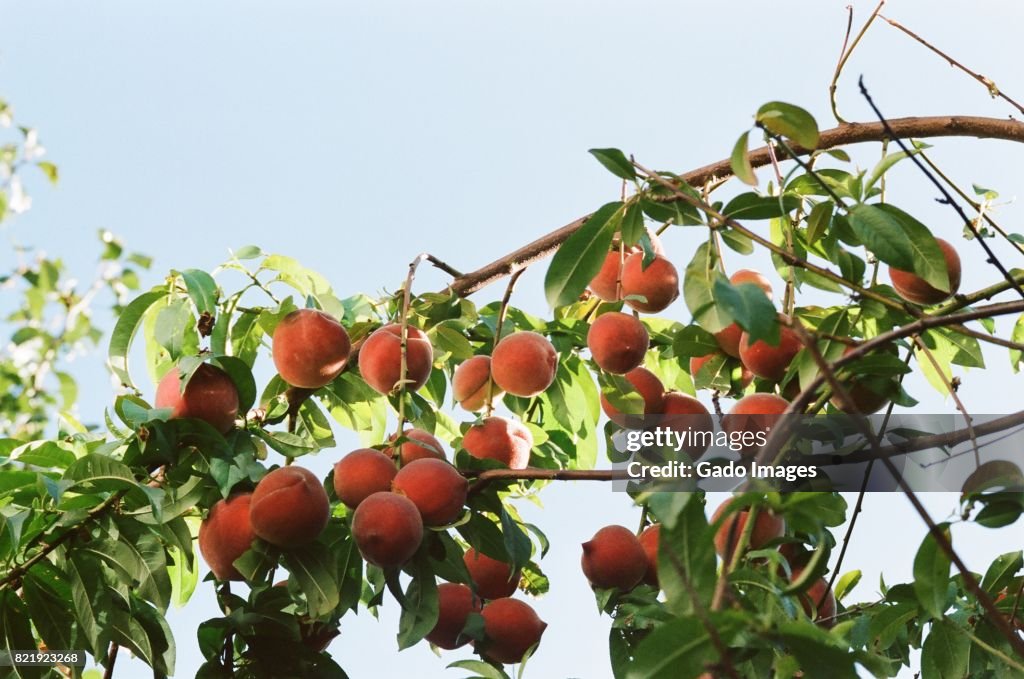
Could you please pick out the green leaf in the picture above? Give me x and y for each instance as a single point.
(241, 375)
(686, 559)
(484, 670)
(931, 575)
(15, 632)
(846, 583)
(888, 161)
(312, 567)
(1017, 336)
(286, 443)
(694, 340)
(420, 609)
(517, 542)
(946, 652)
(50, 170)
(753, 206)
(580, 257)
(882, 234)
(680, 648)
(750, 308)
(739, 161)
(789, 121)
(632, 224)
(698, 285)
(202, 289)
(124, 331)
(928, 261)
(615, 161)
(818, 221)
(48, 597)
(1002, 571)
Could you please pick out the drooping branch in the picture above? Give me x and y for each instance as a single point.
(849, 133)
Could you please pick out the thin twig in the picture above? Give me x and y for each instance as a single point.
(111, 660)
(403, 372)
(968, 420)
(948, 198)
(844, 55)
(489, 403)
(987, 82)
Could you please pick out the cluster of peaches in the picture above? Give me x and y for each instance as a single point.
(392, 493)
(616, 558)
(395, 492)
(618, 341)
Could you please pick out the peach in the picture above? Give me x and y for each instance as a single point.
(420, 445)
(819, 591)
(752, 414)
(614, 559)
(647, 385)
(496, 438)
(436, 488)
(387, 529)
(226, 534)
(649, 540)
(617, 342)
(767, 361)
(865, 400)
(658, 283)
(493, 579)
(380, 358)
(728, 339)
(362, 473)
(471, 381)
(767, 527)
(913, 288)
(697, 362)
(605, 284)
(310, 348)
(511, 628)
(753, 277)
(454, 604)
(289, 507)
(685, 413)
(524, 364)
(210, 395)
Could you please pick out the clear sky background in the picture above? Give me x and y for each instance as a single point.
(355, 135)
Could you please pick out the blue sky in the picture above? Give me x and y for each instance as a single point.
(355, 135)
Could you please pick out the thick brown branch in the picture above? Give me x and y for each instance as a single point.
(849, 133)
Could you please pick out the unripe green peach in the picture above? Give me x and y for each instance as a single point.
(658, 283)
(310, 348)
(210, 395)
(471, 381)
(380, 358)
(289, 507)
(454, 604)
(436, 488)
(226, 534)
(613, 558)
(524, 364)
(497, 438)
(387, 529)
(362, 473)
(913, 288)
(493, 579)
(617, 342)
